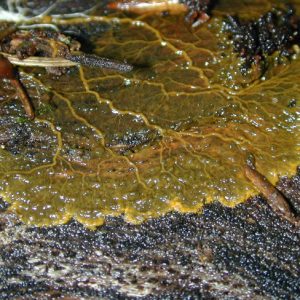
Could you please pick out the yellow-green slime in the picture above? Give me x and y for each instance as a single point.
(201, 120)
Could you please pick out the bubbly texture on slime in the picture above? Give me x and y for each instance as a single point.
(174, 134)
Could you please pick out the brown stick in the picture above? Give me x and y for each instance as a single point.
(275, 199)
(7, 71)
(24, 98)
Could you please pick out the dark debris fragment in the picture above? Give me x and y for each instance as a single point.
(50, 43)
(277, 30)
(39, 42)
(130, 141)
(198, 11)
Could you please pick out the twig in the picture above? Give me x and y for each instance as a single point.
(71, 60)
(24, 98)
(274, 198)
(36, 61)
(7, 71)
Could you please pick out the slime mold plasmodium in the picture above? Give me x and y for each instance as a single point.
(171, 135)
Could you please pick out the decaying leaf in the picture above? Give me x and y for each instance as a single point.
(173, 134)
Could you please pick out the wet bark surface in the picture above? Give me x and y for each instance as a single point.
(243, 253)
(247, 252)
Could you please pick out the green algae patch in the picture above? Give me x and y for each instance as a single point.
(173, 134)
